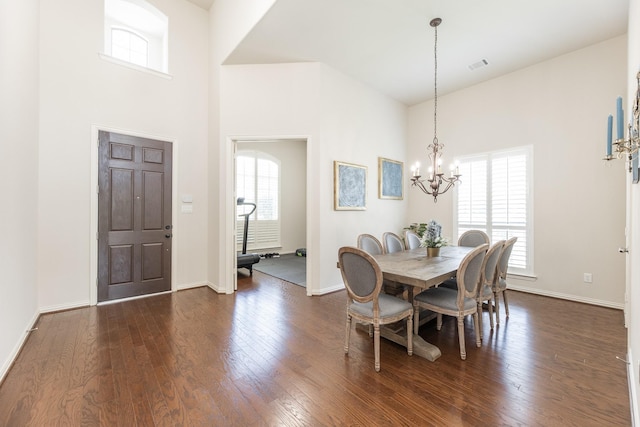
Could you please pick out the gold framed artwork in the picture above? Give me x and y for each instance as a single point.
(349, 187)
(390, 179)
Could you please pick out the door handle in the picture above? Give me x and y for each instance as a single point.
(623, 250)
(168, 236)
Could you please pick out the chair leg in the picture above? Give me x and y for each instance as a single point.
(490, 302)
(479, 313)
(439, 321)
(376, 346)
(409, 336)
(348, 332)
(496, 300)
(463, 351)
(506, 303)
(477, 321)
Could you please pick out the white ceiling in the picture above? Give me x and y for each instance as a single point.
(388, 44)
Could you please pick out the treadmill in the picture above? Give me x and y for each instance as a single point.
(246, 260)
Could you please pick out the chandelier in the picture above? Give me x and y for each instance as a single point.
(436, 183)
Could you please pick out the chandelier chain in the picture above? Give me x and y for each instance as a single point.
(435, 86)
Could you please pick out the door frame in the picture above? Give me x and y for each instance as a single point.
(230, 268)
(93, 234)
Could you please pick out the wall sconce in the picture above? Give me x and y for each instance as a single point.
(624, 147)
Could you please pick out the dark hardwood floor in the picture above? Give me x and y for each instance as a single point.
(269, 355)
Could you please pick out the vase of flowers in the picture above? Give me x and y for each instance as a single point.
(432, 239)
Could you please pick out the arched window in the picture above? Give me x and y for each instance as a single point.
(136, 32)
(258, 181)
(129, 46)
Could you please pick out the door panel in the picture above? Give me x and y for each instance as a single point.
(134, 216)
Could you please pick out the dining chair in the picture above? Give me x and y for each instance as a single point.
(458, 303)
(363, 280)
(391, 242)
(412, 240)
(500, 284)
(473, 238)
(370, 244)
(487, 278)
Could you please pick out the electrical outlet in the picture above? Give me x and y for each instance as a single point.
(588, 278)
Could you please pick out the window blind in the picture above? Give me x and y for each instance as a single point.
(495, 197)
(258, 181)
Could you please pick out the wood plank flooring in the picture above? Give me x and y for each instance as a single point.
(271, 356)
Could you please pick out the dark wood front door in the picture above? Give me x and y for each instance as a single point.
(134, 216)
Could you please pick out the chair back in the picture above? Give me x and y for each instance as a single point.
(412, 240)
(473, 238)
(469, 273)
(361, 275)
(370, 244)
(391, 243)
(503, 262)
(489, 270)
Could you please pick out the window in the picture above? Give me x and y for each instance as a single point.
(136, 32)
(496, 197)
(129, 46)
(258, 181)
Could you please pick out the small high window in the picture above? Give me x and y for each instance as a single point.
(136, 32)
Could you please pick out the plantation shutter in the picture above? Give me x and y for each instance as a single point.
(258, 181)
(494, 197)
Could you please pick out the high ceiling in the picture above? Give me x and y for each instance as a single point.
(388, 44)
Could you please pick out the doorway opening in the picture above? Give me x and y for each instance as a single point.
(273, 174)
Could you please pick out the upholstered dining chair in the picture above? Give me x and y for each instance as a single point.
(500, 284)
(411, 239)
(458, 303)
(363, 280)
(487, 279)
(391, 242)
(473, 238)
(370, 244)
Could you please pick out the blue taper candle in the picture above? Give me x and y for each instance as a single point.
(609, 134)
(619, 117)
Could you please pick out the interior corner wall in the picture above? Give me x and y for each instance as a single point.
(633, 211)
(79, 90)
(19, 174)
(559, 107)
(344, 120)
(229, 23)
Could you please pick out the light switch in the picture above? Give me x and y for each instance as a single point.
(187, 209)
(187, 198)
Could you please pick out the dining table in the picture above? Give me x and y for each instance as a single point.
(419, 271)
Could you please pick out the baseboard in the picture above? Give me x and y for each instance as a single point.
(324, 291)
(633, 390)
(63, 307)
(184, 286)
(16, 350)
(602, 303)
(215, 287)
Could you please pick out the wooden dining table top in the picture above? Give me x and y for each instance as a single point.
(413, 267)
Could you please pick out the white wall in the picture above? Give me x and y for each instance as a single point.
(633, 259)
(229, 22)
(18, 174)
(343, 120)
(560, 107)
(292, 155)
(78, 90)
